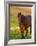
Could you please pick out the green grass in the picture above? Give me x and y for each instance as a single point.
(15, 32)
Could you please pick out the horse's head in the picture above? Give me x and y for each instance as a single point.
(19, 14)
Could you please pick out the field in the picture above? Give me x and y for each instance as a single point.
(15, 32)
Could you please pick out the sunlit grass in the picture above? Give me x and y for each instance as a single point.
(15, 32)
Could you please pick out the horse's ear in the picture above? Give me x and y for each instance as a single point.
(19, 14)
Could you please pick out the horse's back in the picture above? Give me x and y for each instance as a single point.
(26, 20)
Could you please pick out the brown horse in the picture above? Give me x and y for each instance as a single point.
(24, 22)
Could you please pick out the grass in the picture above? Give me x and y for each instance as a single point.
(15, 32)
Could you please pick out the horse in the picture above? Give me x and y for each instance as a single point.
(24, 22)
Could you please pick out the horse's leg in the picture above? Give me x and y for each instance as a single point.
(22, 31)
(30, 29)
(26, 31)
